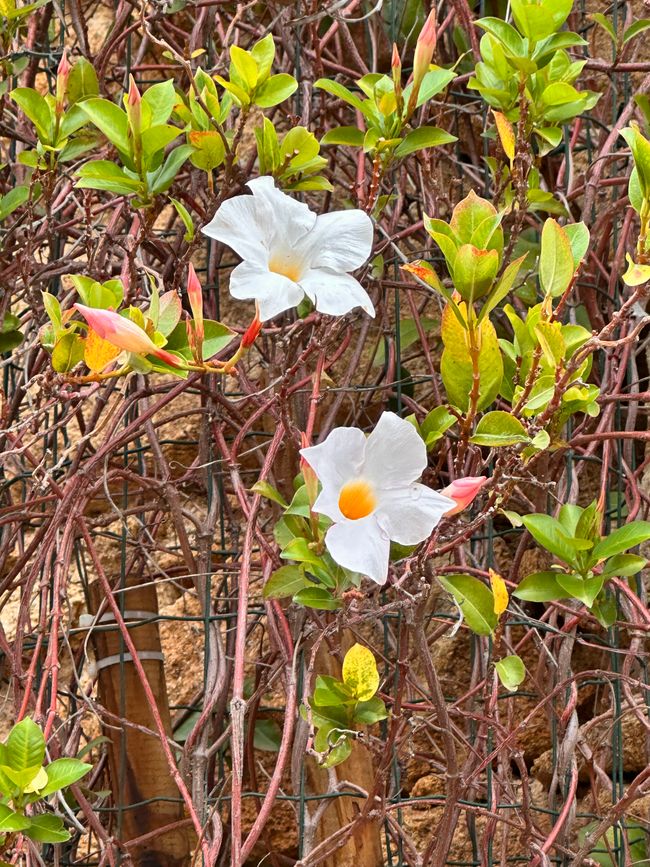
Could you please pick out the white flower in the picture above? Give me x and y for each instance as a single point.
(369, 491)
(288, 251)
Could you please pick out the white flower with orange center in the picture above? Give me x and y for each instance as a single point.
(370, 492)
(289, 252)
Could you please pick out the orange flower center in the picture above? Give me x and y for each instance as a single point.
(357, 499)
(289, 268)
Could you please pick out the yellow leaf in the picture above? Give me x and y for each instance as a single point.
(98, 353)
(360, 673)
(38, 782)
(506, 134)
(500, 593)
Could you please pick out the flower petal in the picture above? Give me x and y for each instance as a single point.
(335, 293)
(336, 460)
(395, 453)
(409, 514)
(246, 224)
(341, 240)
(292, 219)
(275, 293)
(361, 546)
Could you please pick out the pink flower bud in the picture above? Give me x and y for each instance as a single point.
(195, 294)
(134, 109)
(250, 335)
(424, 49)
(134, 97)
(310, 477)
(64, 67)
(62, 75)
(396, 63)
(463, 491)
(124, 333)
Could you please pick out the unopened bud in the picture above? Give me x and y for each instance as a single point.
(134, 106)
(195, 295)
(250, 335)
(62, 75)
(310, 477)
(424, 49)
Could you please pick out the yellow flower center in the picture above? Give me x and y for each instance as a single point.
(357, 499)
(289, 268)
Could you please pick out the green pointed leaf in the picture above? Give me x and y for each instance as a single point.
(275, 90)
(286, 581)
(25, 746)
(497, 429)
(540, 587)
(110, 119)
(423, 137)
(622, 539)
(511, 672)
(475, 601)
(62, 773)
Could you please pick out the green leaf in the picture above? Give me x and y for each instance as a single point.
(156, 139)
(550, 534)
(169, 314)
(640, 147)
(166, 174)
(502, 288)
(160, 100)
(25, 745)
(622, 539)
(360, 674)
(267, 735)
(511, 671)
(263, 53)
(336, 741)
(13, 200)
(184, 214)
(474, 271)
(423, 137)
(286, 581)
(634, 29)
(508, 37)
(556, 266)
(9, 340)
(37, 110)
(539, 20)
(317, 597)
(624, 565)
(105, 175)
(82, 81)
(217, 337)
(62, 773)
(209, 150)
(499, 428)
(330, 692)
(275, 90)
(111, 120)
(11, 822)
(456, 367)
(435, 424)
(540, 587)
(68, 352)
(53, 309)
(245, 66)
(475, 601)
(605, 23)
(264, 489)
(370, 712)
(46, 828)
(351, 136)
(336, 89)
(578, 235)
(584, 589)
